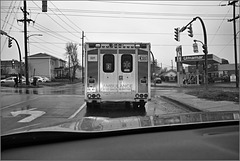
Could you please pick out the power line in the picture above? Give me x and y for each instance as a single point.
(47, 42)
(7, 14)
(66, 24)
(132, 13)
(166, 17)
(9, 17)
(219, 26)
(160, 4)
(225, 46)
(51, 32)
(45, 48)
(128, 17)
(11, 25)
(14, 18)
(161, 45)
(140, 33)
(67, 17)
(69, 20)
(55, 21)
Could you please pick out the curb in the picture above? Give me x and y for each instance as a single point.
(187, 106)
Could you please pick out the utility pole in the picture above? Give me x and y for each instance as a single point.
(69, 67)
(82, 55)
(235, 40)
(25, 20)
(25, 41)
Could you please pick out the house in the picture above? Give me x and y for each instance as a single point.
(43, 64)
(10, 67)
(170, 76)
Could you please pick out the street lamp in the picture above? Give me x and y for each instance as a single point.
(29, 42)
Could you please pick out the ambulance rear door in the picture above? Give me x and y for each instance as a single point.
(126, 70)
(108, 70)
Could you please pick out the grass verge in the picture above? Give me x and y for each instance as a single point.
(216, 94)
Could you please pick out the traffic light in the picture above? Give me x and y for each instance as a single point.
(190, 31)
(176, 34)
(9, 42)
(44, 5)
(204, 49)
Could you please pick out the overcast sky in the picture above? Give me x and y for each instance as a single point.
(119, 21)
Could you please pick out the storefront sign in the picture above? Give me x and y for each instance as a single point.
(193, 58)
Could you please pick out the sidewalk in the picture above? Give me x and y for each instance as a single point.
(197, 104)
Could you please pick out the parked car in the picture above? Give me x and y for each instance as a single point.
(8, 80)
(39, 79)
(11, 80)
(46, 79)
(158, 80)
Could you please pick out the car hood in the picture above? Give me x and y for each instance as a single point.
(103, 124)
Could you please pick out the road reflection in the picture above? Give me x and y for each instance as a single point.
(24, 91)
(51, 91)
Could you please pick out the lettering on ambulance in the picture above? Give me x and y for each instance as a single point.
(142, 70)
(109, 87)
(116, 87)
(92, 67)
(125, 87)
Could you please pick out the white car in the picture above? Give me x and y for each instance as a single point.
(46, 79)
(39, 79)
(11, 80)
(8, 80)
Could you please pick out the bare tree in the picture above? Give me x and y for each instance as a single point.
(163, 70)
(71, 51)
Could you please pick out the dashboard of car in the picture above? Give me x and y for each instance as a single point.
(208, 141)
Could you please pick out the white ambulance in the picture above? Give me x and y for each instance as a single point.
(117, 72)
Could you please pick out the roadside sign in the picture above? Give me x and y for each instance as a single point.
(195, 47)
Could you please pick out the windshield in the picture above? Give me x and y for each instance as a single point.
(114, 65)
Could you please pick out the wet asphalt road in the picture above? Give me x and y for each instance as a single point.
(23, 109)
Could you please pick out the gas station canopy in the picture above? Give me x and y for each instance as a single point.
(192, 59)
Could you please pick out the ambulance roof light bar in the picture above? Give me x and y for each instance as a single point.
(94, 45)
(141, 45)
(98, 45)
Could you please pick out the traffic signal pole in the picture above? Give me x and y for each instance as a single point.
(204, 46)
(19, 51)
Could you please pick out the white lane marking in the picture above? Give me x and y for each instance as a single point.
(73, 115)
(19, 103)
(33, 114)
